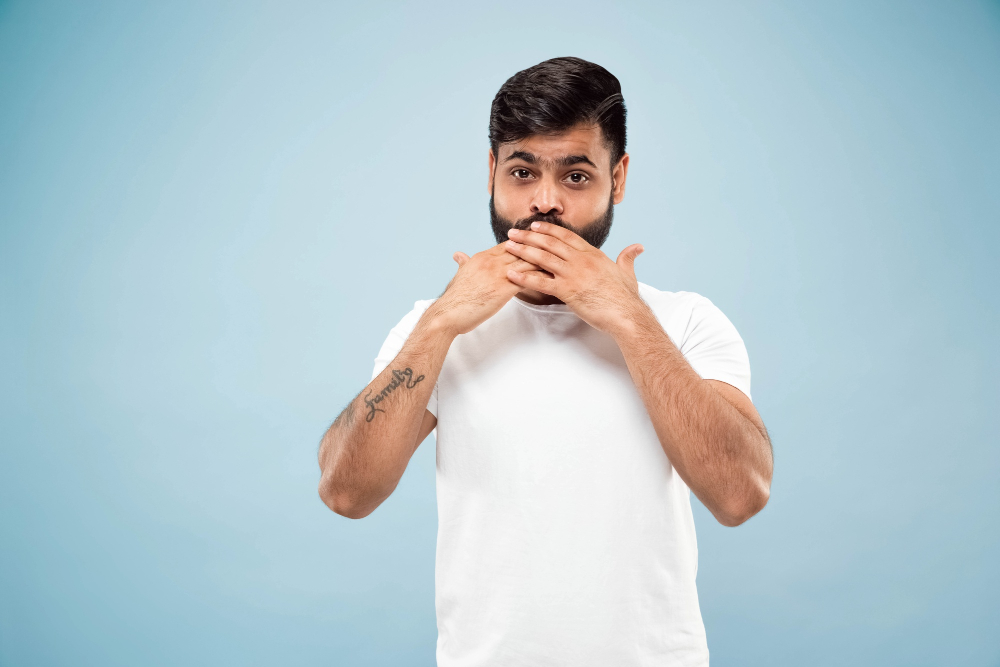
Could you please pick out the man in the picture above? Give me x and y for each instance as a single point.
(575, 407)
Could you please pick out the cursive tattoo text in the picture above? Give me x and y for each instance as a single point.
(399, 379)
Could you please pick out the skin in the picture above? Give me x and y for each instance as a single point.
(710, 431)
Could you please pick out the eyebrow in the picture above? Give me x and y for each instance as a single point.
(565, 161)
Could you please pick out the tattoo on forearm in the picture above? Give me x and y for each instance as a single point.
(399, 379)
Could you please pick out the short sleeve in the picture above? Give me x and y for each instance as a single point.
(714, 348)
(394, 343)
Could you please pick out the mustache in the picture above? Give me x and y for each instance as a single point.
(524, 223)
(594, 233)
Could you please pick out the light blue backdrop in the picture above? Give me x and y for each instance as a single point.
(212, 214)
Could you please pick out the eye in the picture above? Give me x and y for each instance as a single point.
(577, 178)
(521, 173)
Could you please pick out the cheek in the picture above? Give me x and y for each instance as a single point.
(512, 203)
(585, 207)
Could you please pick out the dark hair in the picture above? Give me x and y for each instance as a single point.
(555, 95)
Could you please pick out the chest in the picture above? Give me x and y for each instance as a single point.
(525, 400)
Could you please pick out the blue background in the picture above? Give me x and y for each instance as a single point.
(213, 213)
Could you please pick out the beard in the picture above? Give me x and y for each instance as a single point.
(595, 233)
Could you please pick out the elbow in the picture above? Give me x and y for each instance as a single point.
(332, 490)
(739, 510)
(340, 503)
(754, 492)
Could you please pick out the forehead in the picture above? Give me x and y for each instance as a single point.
(585, 140)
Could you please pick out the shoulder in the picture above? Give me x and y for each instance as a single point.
(401, 331)
(406, 324)
(419, 306)
(663, 296)
(687, 316)
(704, 335)
(671, 304)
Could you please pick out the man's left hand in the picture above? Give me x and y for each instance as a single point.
(604, 293)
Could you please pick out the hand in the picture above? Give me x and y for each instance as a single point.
(479, 289)
(605, 294)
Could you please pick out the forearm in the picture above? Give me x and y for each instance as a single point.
(717, 451)
(366, 450)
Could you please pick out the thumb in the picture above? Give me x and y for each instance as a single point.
(461, 258)
(626, 259)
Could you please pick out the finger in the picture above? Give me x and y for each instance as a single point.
(626, 258)
(535, 280)
(515, 262)
(521, 265)
(557, 247)
(542, 258)
(461, 258)
(570, 238)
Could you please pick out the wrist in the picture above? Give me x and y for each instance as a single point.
(634, 319)
(437, 324)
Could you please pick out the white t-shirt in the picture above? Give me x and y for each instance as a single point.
(565, 537)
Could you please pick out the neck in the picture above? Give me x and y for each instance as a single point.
(537, 298)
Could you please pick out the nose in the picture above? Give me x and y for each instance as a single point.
(546, 199)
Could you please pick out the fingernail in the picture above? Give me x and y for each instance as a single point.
(511, 244)
(512, 232)
(536, 225)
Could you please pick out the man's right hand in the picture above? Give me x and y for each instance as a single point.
(479, 289)
(362, 461)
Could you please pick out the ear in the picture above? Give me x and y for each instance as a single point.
(493, 169)
(618, 175)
